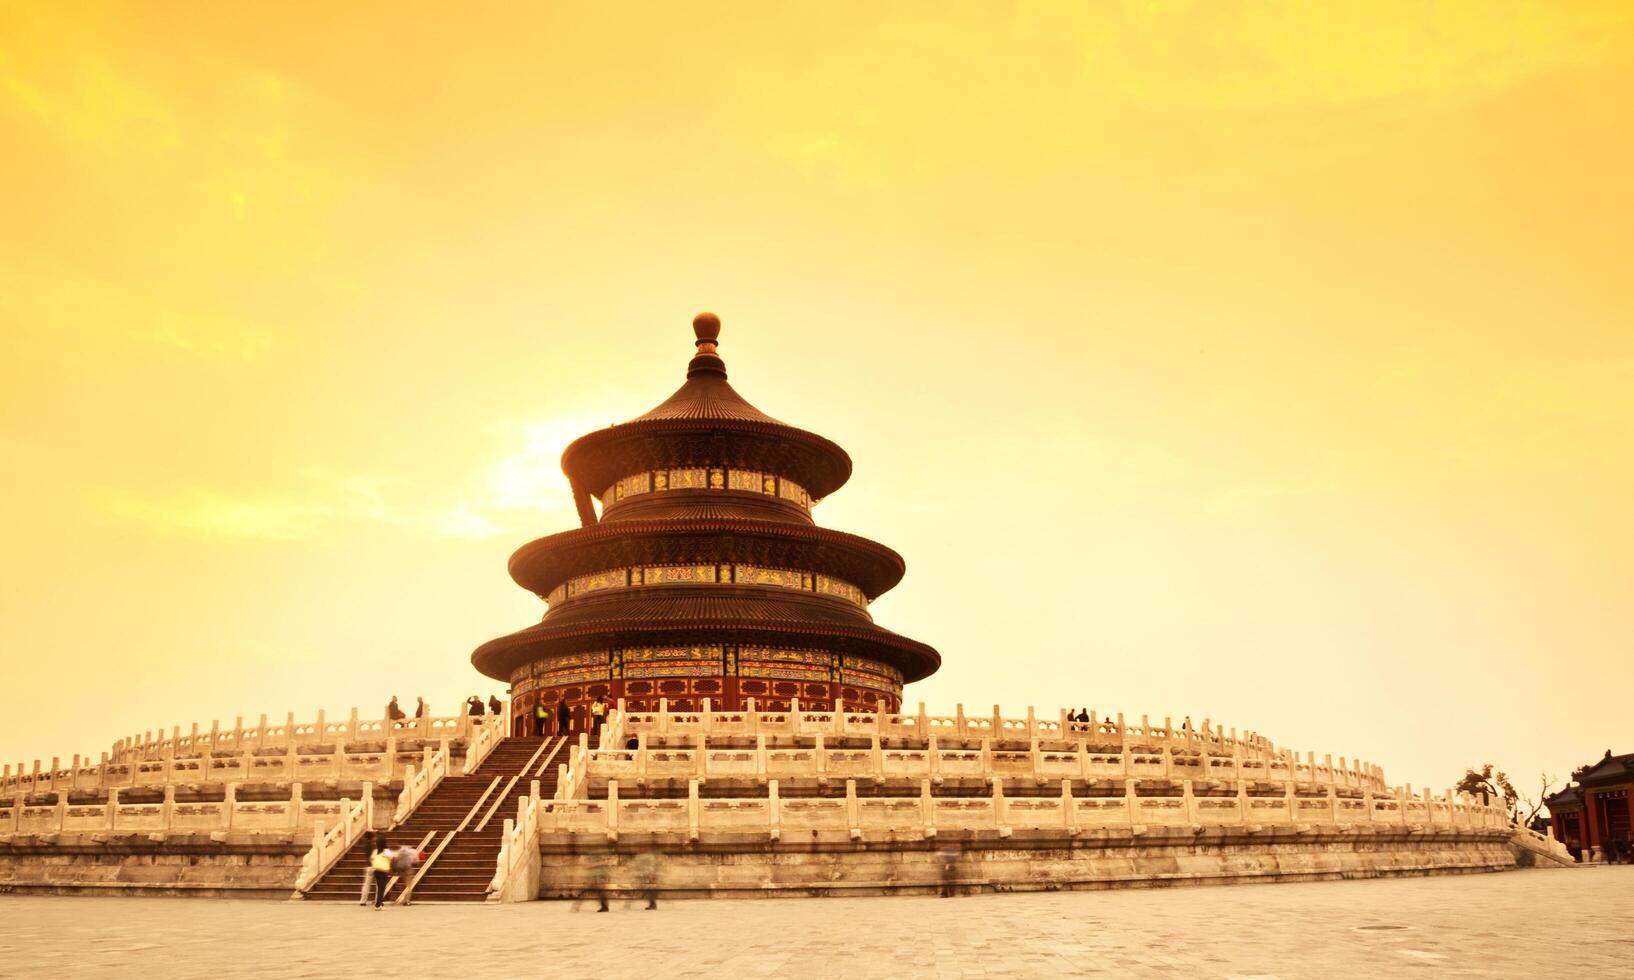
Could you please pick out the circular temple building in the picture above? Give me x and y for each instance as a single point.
(704, 575)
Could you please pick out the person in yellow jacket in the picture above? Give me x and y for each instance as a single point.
(598, 714)
(379, 866)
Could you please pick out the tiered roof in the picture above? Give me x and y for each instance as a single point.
(705, 423)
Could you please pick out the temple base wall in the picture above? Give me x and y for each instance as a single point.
(206, 866)
(1024, 861)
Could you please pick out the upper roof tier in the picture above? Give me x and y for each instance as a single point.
(704, 423)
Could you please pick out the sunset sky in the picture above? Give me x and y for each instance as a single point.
(1271, 363)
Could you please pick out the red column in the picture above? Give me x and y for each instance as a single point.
(1591, 830)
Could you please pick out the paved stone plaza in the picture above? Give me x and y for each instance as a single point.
(1526, 923)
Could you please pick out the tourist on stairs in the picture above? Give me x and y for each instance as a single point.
(379, 867)
(598, 714)
(539, 718)
(564, 717)
(494, 707)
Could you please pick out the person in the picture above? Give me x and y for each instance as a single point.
(473, 706)
(646, 869)
(420, 708)
(494, 706)
(1083, 714)
(394, 712)
(598, 714)
(595, 883)
(564, 717)
(379, 866)
(539, 718)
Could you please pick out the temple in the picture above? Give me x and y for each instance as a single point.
(703, 576)
(754, 744)
(1594, 816)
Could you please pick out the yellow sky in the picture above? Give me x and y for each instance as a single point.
(1267, 362)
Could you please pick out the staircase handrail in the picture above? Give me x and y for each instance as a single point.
(573, 784)
(612, 730)
(516, 875)
(418, 785)
(489, 733)
(329, 845)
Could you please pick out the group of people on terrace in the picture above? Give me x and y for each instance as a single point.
(562, 715)
(473, 707)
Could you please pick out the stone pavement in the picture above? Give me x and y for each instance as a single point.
(1563, 922)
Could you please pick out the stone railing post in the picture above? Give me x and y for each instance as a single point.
(1189, 801)
(694, 810)
(708, 717)
(1069, 807)
(229, 803)
(853, 810)
(760, 757)
(922, 727)
(663, 716)
(821, 755)
(959, 721)
(1032, 721)
(297, 797)
(62, 810)
(933, 757)
(774, 812)
(1131, 802)
(351, 727)
(368, 804)
(1001, 812)
(167, 812)
(113, 807)
(927, 810)
(612, 809)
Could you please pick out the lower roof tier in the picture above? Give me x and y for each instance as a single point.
(739, 614)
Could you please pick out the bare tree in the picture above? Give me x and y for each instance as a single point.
(1546, 784)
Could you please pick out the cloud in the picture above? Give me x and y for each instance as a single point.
(208, 514)
(522, 492)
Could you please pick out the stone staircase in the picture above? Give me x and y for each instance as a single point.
(459, 826)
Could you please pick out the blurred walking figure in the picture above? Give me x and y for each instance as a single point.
(564, 717)
(948, 856)
(646, 871)
(420, 708)
(595, 883)
(379, 867)
(539, 717)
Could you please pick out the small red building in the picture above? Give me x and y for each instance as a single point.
(1594, 817)
(701, 574)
